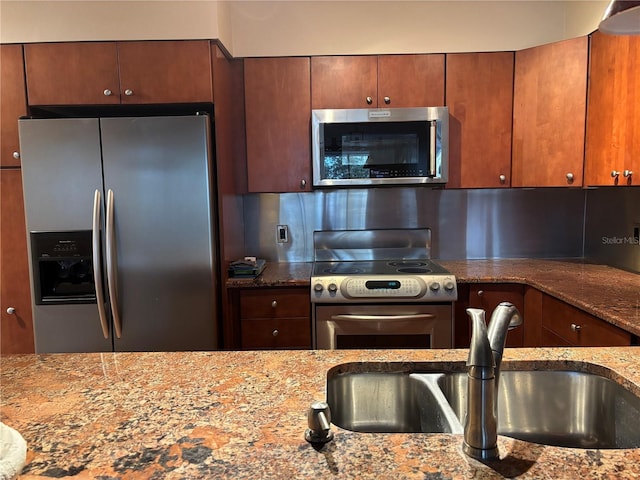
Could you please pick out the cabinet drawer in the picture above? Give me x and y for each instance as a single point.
(275, 303)
(580, 328)
(269, 333)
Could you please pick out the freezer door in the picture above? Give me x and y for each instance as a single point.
(158, 172)
(61, 169)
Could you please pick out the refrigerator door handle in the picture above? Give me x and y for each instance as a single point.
(97, 263)
(112, 266)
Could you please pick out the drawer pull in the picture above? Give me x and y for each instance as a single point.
(274, 304)
(480, 293)
(575, 327)
(275, 333)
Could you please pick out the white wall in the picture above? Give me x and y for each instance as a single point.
(313, 27)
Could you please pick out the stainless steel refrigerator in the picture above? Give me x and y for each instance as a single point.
(121, 232)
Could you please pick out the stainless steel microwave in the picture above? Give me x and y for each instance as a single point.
(380, 146)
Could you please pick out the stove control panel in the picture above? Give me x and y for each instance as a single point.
(345, 289)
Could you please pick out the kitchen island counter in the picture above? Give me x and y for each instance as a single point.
(242, 415)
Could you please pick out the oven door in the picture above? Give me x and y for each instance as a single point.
(412, 326)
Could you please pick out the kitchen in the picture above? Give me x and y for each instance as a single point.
(471, 234)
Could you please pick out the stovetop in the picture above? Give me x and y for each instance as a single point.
(378, 267)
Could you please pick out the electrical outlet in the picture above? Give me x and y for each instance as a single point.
(282, 233)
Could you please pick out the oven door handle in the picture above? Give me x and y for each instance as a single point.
(383, 318)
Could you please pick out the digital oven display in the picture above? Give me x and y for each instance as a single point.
(382, 284)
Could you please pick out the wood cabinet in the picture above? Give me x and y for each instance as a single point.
(278, 128)
(16, 327)
(479, 94)
(372, 81)
(272, 318)
(110, 73)
(487, 296)
(566, 325)
(549, 116)
(613, 113)
(13, 103)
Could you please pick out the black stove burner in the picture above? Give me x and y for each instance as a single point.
(407, 263)
(342, 269)
(414, 270)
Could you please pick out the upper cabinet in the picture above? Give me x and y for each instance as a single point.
(377, 81)
(479, 97)
(13, 101)
(104, 73)
(278, 115)
(613, 112)
(549, 114)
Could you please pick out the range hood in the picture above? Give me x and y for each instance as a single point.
(621, 18)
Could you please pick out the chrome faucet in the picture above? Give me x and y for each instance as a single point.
(485, 356)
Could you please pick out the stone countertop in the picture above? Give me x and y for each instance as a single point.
(606, 292)
(242, 415)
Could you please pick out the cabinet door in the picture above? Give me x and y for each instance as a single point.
(411, 80)
(489, 296)
(13, 103)
(278, 116)
(344, 82)
(16, 328)
(479, 94)
(613, 112)
(77, 73)
(165, 72)
(550, 96)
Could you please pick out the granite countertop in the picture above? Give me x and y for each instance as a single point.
(242, 415)
(606, 292)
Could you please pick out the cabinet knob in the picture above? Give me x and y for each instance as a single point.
(275, 333)
(480, 293)
(575, 327)
(11, 310)
(503, 179)
(369, 100)
(16, 155)
(107, 92)
(303, 184)
(274, 304)
(627, 173)
(570, 177)
(128, 92)
(615, 173)
(387, 100)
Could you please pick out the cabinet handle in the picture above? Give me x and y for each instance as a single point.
(274, 304)
(576, 328)
(503, 179)
(615, 174)
(303, 184)
(480, 293)
(275, 333)
(16, 155)
(570, 177)
(11, 310)
(387, 100)
(107, 92)
(128, 92)
(369, 100)
(627, 173)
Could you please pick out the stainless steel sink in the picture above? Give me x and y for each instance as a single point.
(565, 409)
(560, 408)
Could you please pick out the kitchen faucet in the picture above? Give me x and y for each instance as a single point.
(485, 356)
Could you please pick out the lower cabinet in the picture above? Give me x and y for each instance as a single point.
(565, 325)
(487, 296)
(274, 318)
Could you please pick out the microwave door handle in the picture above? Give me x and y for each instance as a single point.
(112, 266)
(383, 318)
(97, 263)
(432, 148)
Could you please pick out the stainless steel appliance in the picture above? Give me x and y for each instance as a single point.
(122, 240)
(380, 146)
(380, 289)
